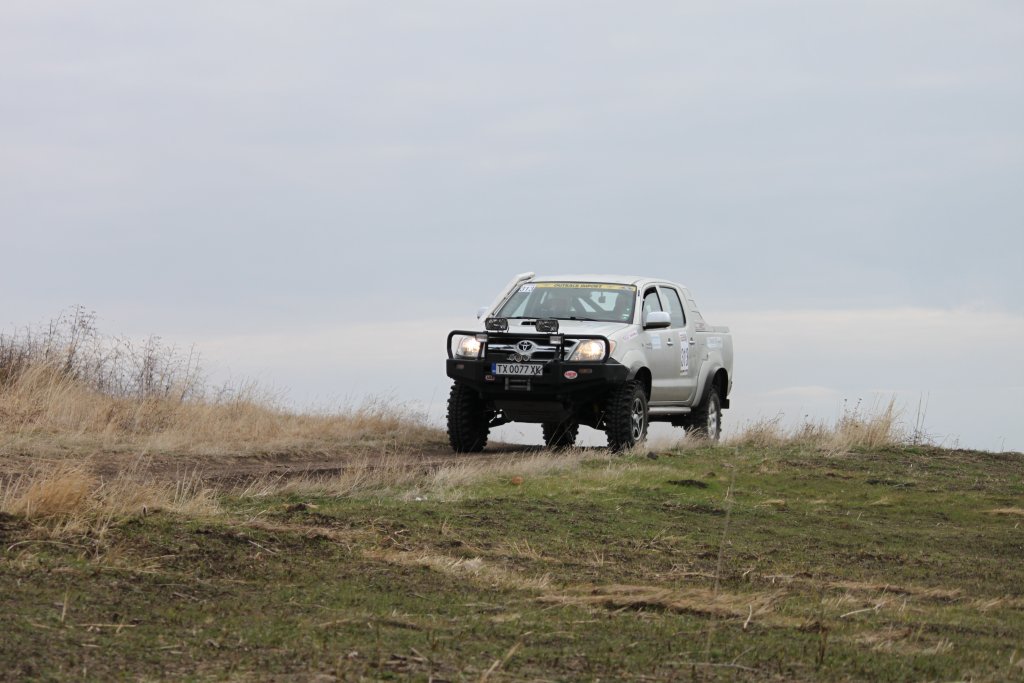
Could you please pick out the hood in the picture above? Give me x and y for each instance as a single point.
(571, 327)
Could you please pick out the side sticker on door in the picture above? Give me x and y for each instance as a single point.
(655, 341)
(714, 342)
(684, 353)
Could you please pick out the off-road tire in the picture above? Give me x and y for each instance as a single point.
(706, 421)
(559, 435)
(468, 421)
(626, 418)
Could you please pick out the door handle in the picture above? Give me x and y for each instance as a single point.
(693, 342)
(668, 342)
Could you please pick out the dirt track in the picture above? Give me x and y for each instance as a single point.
(226, 470)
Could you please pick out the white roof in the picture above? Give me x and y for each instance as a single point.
(591, 277)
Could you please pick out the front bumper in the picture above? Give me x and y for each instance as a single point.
(583, 380)
(569, 386)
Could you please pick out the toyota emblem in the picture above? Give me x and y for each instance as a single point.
(525, 349)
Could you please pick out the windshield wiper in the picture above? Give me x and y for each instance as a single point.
(533, 321)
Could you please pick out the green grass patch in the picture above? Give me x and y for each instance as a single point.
(710, 564)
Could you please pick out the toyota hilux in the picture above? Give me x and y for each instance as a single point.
(610, 352)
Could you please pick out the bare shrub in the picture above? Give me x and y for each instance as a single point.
(72, 348)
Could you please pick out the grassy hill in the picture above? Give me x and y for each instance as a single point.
(743, 562)
(153, 529)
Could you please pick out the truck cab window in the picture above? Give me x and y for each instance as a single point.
(651, 302)
(675, 307)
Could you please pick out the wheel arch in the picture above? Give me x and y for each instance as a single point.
(721, 382)
(718, 379)
(642, 374)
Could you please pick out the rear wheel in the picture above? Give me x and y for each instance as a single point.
(706, 421)
(626, 417)
(558, 435)
(468, 420)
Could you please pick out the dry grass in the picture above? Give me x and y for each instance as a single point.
(757, 607)
(66, 498)
(933, 593)
(44, 413)
(1008, 512)
(873, 590)
(446, 481)
(855, 428)
(701, 601)
(411, 479)
(69, 389)
(763, 433)
(902, 640)
(475, 569)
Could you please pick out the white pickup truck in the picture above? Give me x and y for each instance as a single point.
(606, 351)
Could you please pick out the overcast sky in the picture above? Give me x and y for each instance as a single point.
(281, 183)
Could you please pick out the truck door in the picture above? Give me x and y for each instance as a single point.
(681, 334)
(664, 360)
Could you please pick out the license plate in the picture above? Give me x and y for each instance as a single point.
(521, 369)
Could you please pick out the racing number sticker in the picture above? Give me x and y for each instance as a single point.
(684, 353)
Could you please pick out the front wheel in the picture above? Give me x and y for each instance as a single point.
(626, 417)
(559, 435)
(468, 421)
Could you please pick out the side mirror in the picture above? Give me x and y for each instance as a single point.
(656, 320)
(480, 312)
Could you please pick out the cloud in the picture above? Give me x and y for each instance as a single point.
(891, 348)
(804, 393)
(962, 365)
(223, 169)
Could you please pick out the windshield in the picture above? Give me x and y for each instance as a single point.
(572, 301)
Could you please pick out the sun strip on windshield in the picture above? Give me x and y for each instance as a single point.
(579, 285)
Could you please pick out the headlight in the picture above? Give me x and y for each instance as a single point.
(589, 350)
(469, 347)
